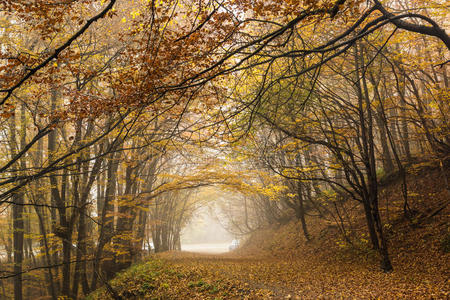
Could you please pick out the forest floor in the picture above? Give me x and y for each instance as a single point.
(278, 263)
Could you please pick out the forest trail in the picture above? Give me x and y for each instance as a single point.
(308, 277)
(246, 276)
(206, 248)
(236, 275)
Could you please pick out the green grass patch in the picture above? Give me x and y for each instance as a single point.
(158, 279)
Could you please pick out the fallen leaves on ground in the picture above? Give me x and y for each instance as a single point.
(181, 275)
(278, 263)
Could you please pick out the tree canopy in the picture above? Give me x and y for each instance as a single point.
(115, 114)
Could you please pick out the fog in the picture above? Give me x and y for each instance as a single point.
(205, 234)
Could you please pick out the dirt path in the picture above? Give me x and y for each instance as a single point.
(240, 271)
(306, 278)
(185, 275)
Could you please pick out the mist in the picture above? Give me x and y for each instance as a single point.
(205, 233)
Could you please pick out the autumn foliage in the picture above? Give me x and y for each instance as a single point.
(120, 119)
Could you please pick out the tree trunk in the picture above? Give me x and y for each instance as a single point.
(107, 218)
(18, 227)
(371, 202)
(17, 219)
(54, 194)
(45, 252)
(301, 210)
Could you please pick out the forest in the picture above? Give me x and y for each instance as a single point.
(318, 125)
